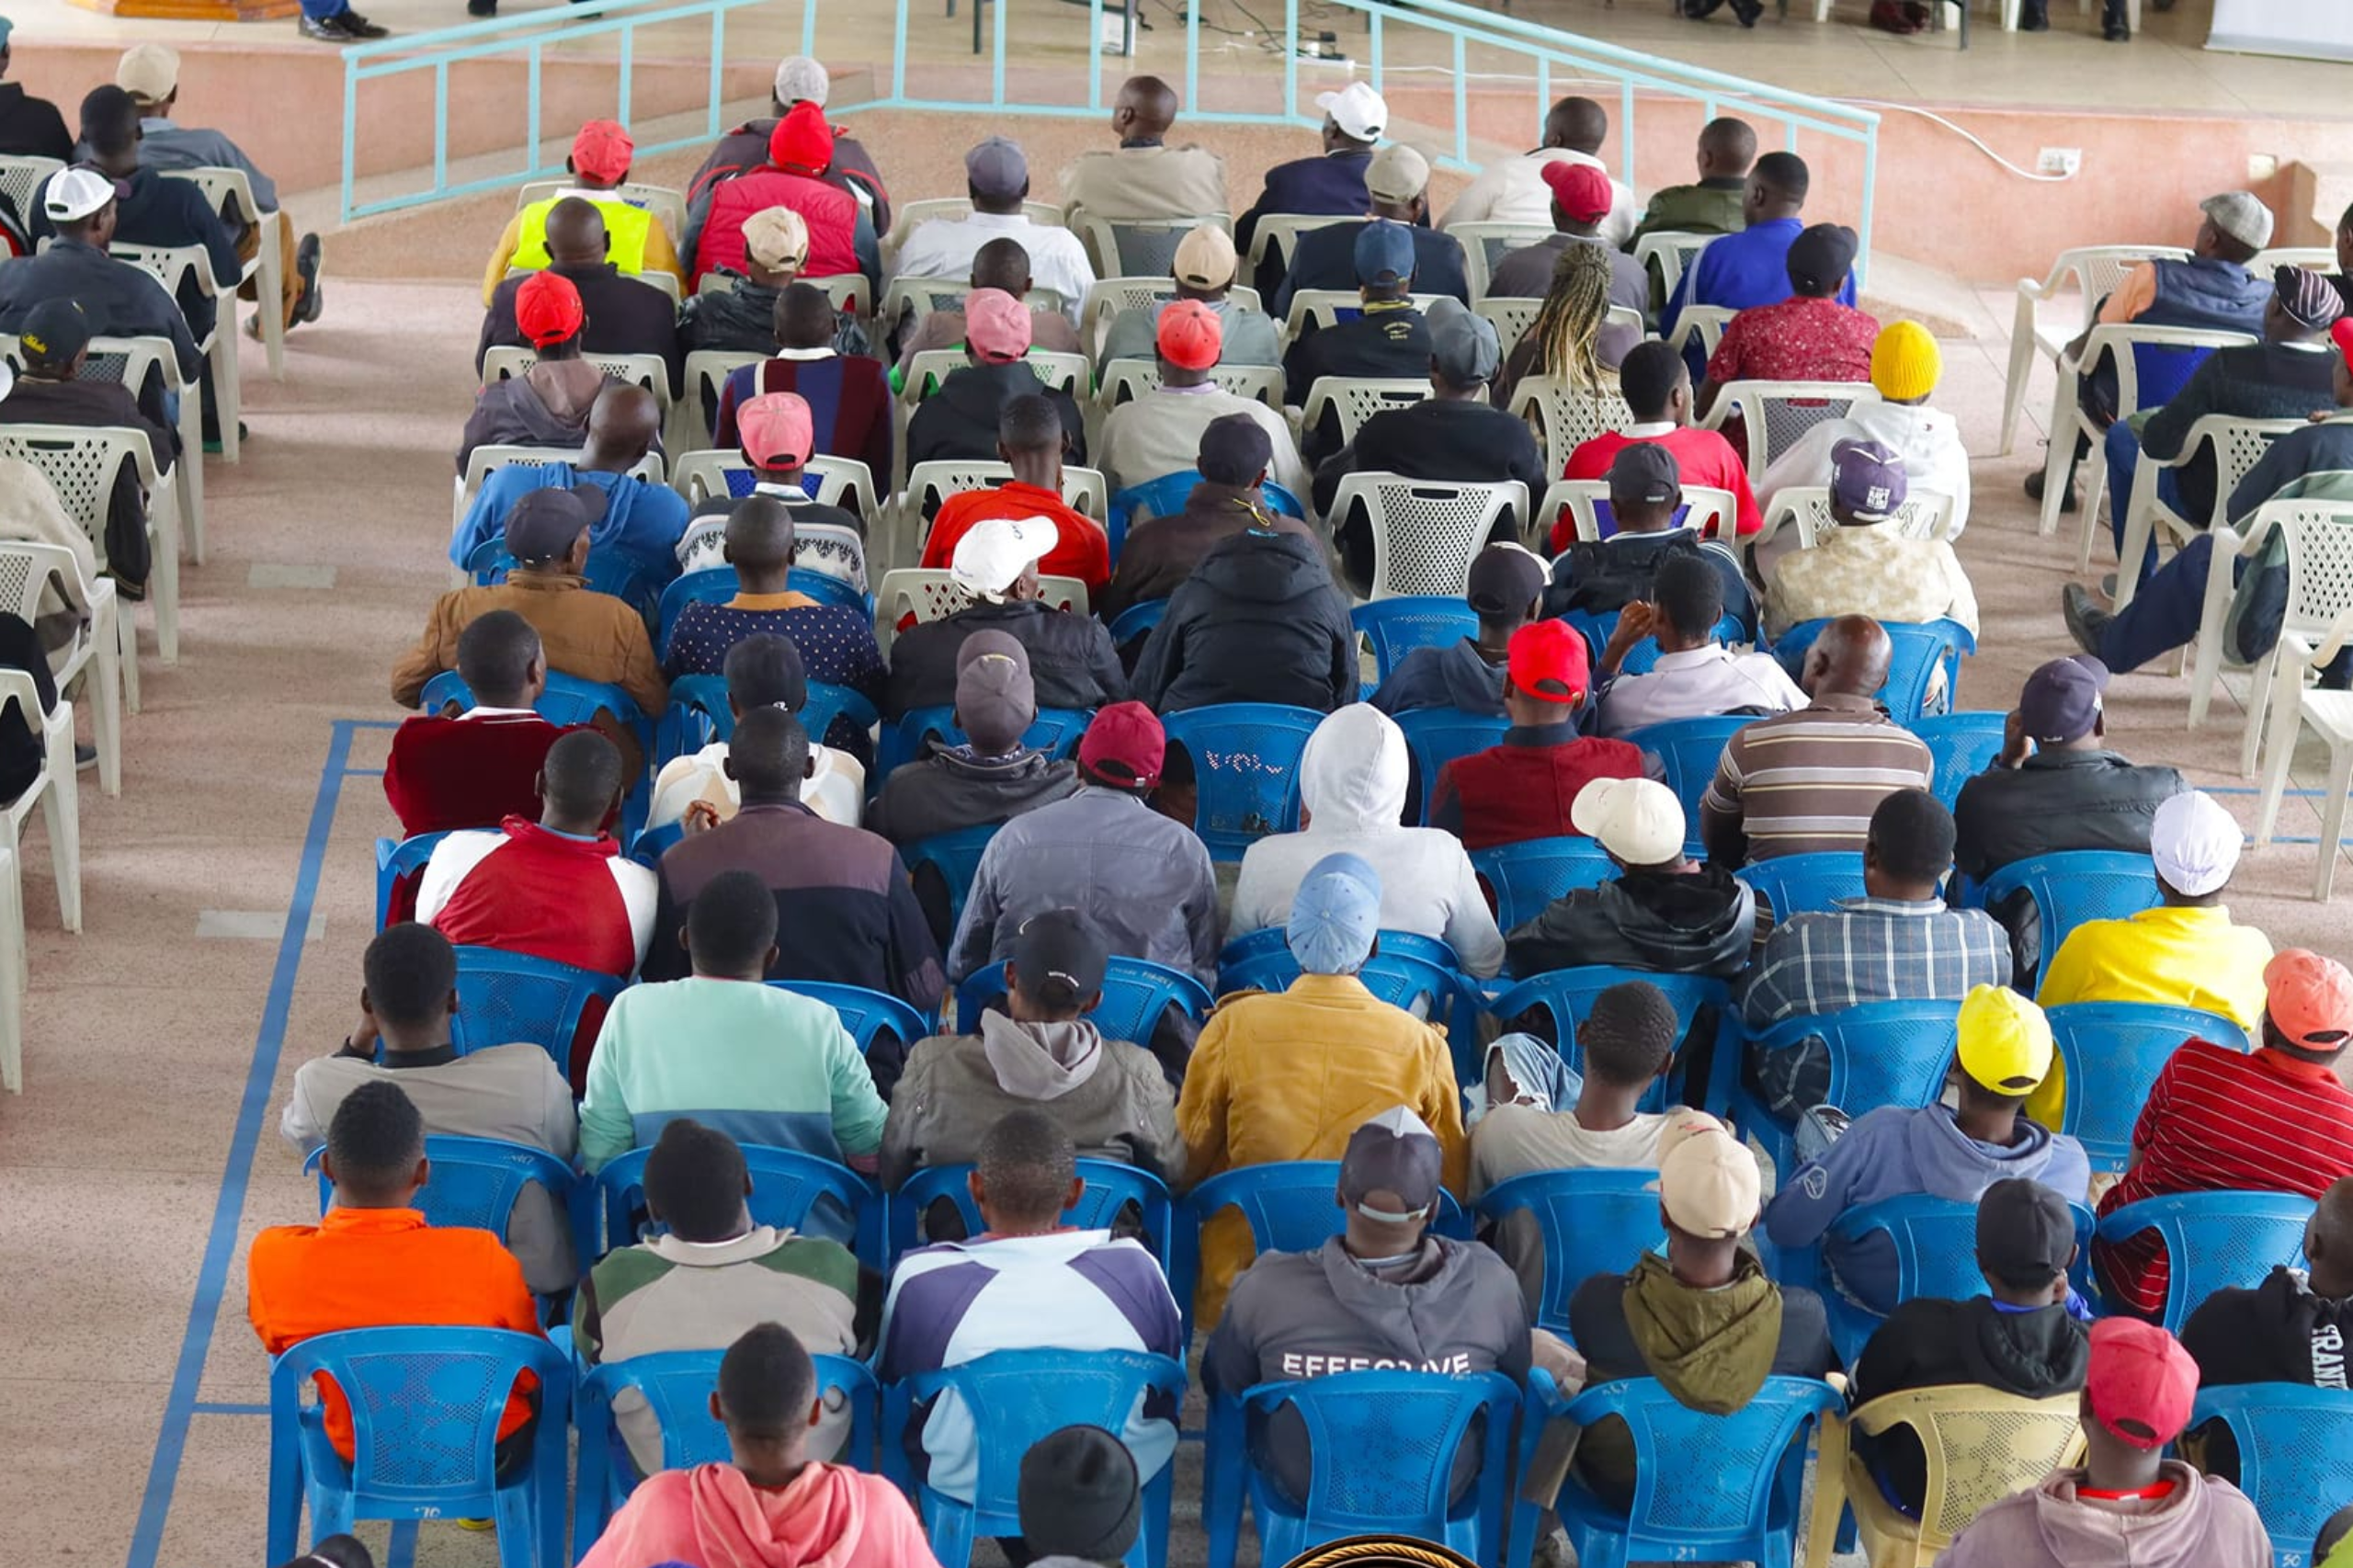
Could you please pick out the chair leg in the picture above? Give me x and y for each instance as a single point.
(188, 471)
(2140, 529)
(2022, 347)
(2281, 744)
(2332, 819)
(225, 388)
(2260, 694)
(2221, 582)
(2063, 448)
(164, 588)
(61, 812)
(2095, 492)
(105, 688)
(126, 636)
(12, 992)
(269, 290)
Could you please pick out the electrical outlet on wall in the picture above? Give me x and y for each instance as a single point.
(2062, 161)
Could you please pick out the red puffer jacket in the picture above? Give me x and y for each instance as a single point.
(830, 213)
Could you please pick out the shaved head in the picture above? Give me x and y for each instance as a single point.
(1145, 109)
(759, 536)
(1578, 124)
(1848, 659)
(804, 317)
(1001, 264)
(1728, 146)
(622, 425)
(575, 233)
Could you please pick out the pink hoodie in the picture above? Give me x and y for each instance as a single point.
(710, 1516)
(2203, 1523)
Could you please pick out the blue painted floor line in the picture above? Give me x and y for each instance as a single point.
(216, 1409)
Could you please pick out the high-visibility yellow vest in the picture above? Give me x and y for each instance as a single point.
(626, 225)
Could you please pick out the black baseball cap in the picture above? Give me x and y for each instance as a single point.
(56, 329)
(542, 524)
(1644, 471)
(1235, 449)
(1820, 257)
(1060, 956)
(765, 670)
(1504, 578)
(2026, 1232)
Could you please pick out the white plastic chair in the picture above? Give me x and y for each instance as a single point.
(169, 265)
(1564, 417)
(20, 175)
(1484, 245)
(1715, 513)
(1670, 253)
(2319, 543)
(483, 460)
(646, 369)
(1071, 372)
(1356, 401)
(1134, 248)
(1106, 297)
(2097, 269)
(1805, 508)
(2330, 715)
(1775, 414)
(128, 361)
(1513, 315)
(1703, 325)
(26, 568)
(665, 203)
(841, 481)
(1425, 531)
(929, 593)
(2313, 258)
(1275, 235)
(1085, 489)
(652, 278)
(1124, 381)
(1322, 308)
(2068, 419)
(58, 794)
(232, 195)
(706, 377)
(2237, 445)
(12, 992)
(80, 465)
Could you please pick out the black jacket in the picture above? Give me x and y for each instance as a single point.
(625, 315)
(742, 321)
(121, 300)
(1389, 343)
(1464, 442)
(100, 406)
(1603, 576)
(1668, 922)
(959, 420)
(162, 210)
(1258, 621)
(950, 789)
(1326, 258)
(1927, 1343)
(1071, 661)
(2278, 1333)
(2254, 380)
(30, 127)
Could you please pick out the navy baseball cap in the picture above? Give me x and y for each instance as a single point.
(1384, 253)
(1867, 480)
(2061, 702)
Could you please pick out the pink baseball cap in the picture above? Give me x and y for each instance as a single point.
(997, 326)
(775, 430)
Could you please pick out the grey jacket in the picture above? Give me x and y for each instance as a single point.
(1107, 1095)
(951, 788)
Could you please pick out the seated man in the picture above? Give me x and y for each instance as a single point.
(799, 158)
(118, 300)
(991, 775)
(2277, 1121)
(845, 911)
(742, 318)
(997, 566)
(625, 314)
(706, 1275)
(1001, 265)
(636, 519)
(1751, 266)
(1079, 1499)
(589, 636)
(1159, 432)
(1145, 179)
(599, 166)
(1283, 1076)
(1505, 592)
(1512, 190)
(772, 1493)
(1526, 786)
(1713, 205)
(1809, 335)
(1603, 576)
(480, 766)
(1384, 1293)
(548, 404)
(558, 888)
(762, 669)
(1029, 442)
(2024, 1338)
(1147, 883)
(1026, 1283)
(1866, 564)
(373, 1262)
(2005, 1050)
(798, 80)
(1203, 270)
(1657, 388)
(1107, 1096)
(1388, 339)
(777, 1066)
(1803, 782)
(1703, 1320)
(54, 341)
(1582, 196)
(1906, 365)
(1259, 621)
(962, 417)
(777, 435)
(1162, 551)
(1355, 117)
(1663, 911)
(29, 127)
(511, 1093)
(2127, 1503)
(997, 178)
(848, 394)
(1696, 676)
(1899, 942)
(1397, 182)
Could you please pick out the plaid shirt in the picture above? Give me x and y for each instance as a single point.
(1875, 950)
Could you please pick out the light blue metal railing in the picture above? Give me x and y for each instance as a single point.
(1550, 57)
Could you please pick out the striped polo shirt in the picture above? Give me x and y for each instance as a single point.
(2218, 1121)
(1809, 781)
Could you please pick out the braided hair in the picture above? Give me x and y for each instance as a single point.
(1568, 324)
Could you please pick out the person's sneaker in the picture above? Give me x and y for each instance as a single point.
(2108, 586)
(2117, 33)
(2034, 492)
(1747, 11)
(2087, 622)
(310, 299)
(85, 757)
(481, 7)
(326, 29)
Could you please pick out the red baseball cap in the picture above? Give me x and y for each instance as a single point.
(1124, 744)
(1579, 189)
(548, 309)
(2309, 999)
(2341, 334)
(1190, 335)
(2141, 1382)
(997, 326)
(801, 143)
(775, 430)
(1548, 662)
(603, 151)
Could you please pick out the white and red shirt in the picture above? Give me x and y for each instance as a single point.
(525, 889)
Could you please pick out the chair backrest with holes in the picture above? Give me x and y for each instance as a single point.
(1141, 247)
(20, 175)
(1804, 884)
(2152, 363)
(1670, 253)
(2099, 270)
(1245, 763)
(1706, 508)
(1512, 316)
(1527, 876)
(2295, 1448)
(2319, 536)
(2112, 1052)
(1276, 235)
(505, 997)
(1689, 749)
(1593, 1222)
(2214, 1241)
(1314, 308)
(1394, 627)
(1354, 400)
(1425, 531)
(118, 361)
(1882, 1053)
(25, 567)
(1926, 514)
(791, 1190)
(665, 203)
(1110, 1187)
(1136, 992)
(475, 1181)
(80, 465)
(1484, 245)
(865, 1014)
(1435, 737)
(2237, 445)
(1566, 996)
(172, 264)
(1776, 413)
(1962, 746)
(1982, 1446)
(1564, 417)
(2075, 886)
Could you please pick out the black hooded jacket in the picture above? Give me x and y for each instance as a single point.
(958, 421)
(1698, 922)
(2278, 1333)
(1259, 621)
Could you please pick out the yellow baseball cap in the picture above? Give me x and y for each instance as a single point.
(2004, 1040)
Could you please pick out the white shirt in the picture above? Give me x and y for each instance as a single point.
(1695, 684)
(835, 791)
(944, 247)
(1513, 192)
(1928, 440)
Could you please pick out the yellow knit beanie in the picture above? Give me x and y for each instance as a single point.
(1905, 361)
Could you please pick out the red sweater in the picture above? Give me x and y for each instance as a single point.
(1083, 552)
(469, 772)
(1508, 793)
(831, 215)
(1703, 457)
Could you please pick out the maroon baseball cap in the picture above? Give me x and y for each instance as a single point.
(1124, 746)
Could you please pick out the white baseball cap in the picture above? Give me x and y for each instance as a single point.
(2195, 843)
(1356, 109)
(1637, 820)
(75, 193)
(989, 558)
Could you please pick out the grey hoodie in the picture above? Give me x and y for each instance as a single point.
(546, 406)
(1454, 675)
(2201, 1524)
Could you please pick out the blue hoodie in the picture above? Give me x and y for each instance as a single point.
(1893, 1152)
(637, 520)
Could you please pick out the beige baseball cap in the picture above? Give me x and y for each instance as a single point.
(1637, 820)
(1397, 173)
(148, 72)
(1205, 258)
(1706, 1178)
(774, 235)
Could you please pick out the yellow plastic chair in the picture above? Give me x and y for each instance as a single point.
(1982, 1446)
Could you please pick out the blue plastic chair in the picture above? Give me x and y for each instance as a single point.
(1418, 974)
(1381, 1452)
(1918, 649)
(865, 1013)
(1689, 750)
(2112, 1052)
(1395, 627)
(475, 1181)
(676, 1386)
(1135, 622)
(1290, 1205)
(648, 847)
(566, 700)
(1936, 1255)
(1964, 745)
(1245, 763)
(716, 585)
(2073, 887)
(397, 859)
(698, 715)
(1435, 737)
(957, 857)
(1159, 497)
(1110, 1187)
(1018, 1397)
(609, 571)
(1135, 993)
(1055, 731)
(1566, 994)
(1707, 1488)
(426, 1405)
(1882, 1053)
(1593, 1222)
(2214, 1241)
(2295, 1456)
(1597, 627)
(827, 702)
(1527, 876)
(1801, 885)
(791, 1190)
(503, 997)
